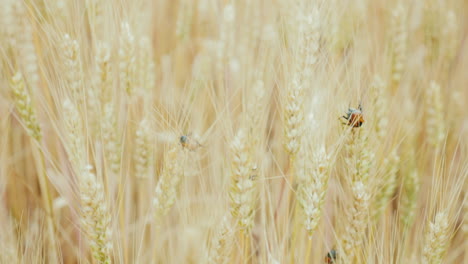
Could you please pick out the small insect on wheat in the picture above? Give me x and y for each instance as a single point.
(354, 116)
(330, 257)
(189, 142)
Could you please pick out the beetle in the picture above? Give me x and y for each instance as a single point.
(188, 142)
(354, 117)
(330, 257)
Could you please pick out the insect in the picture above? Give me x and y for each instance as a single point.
(330, 257)
(354, 116)
(189, 142)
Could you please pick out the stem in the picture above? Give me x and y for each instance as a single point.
(308, 251)
(246, 240)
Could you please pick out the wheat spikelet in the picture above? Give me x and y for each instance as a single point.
(360, 157)
(312, 188)
(220, 248)
(435, 127)
(410, 184)
(95, 11)
(146, 80)
(436, 240)
(387, 184)
(143, 150)
(450, 34)
(432, 28)
(72, 63)
(111, 140)
(166, 191)
(23, 35)
(309, 41)
(380, 106)
(10, 17)
(96, 219)
(24, 106)
(294, 116)
(102, 79)
(127, 58)
(243, 182)
(357, 221)
(398, 43)
(74, 131)
(184, 19)
(254, 114)
(225, 50)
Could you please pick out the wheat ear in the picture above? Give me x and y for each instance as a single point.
(437, 238)
(243, 182)
(387, 185)
(166, 191)
(24, 106)
(435, 127)
(95, 215)
(127, 58)
(398, 44)
(220, 248)
(72, 62)
(312, 188)
(357, 216)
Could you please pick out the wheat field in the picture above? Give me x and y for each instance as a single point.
(218, 131)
